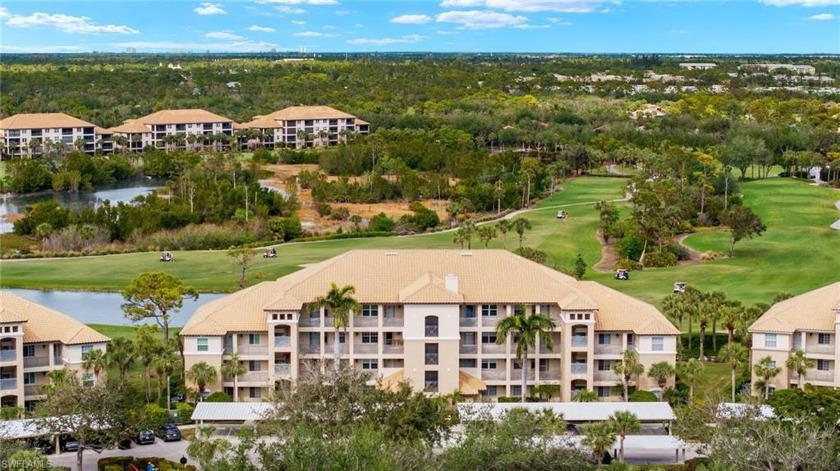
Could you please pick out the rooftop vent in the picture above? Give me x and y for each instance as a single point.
(466, 254)
(391, 254)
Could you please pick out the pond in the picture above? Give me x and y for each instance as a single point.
(102, 308)
(75, 201)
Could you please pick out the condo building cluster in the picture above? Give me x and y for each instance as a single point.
(296, 126)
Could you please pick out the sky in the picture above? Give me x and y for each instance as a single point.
(313, 26)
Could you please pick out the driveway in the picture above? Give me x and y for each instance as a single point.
(172, 451)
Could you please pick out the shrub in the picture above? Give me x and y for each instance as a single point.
(155, 415)
(185, 412)
(660, 259)
(627, 264)
(219, 396)
(509, 399)
(340, 214)
(679, 251)
(711, 255)
(323, 209)
(642, 396)
(381, 223)
(121, 463)
(535, 255)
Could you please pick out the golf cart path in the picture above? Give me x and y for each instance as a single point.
(836, 224)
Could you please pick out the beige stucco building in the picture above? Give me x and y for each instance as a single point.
(809, 322)
(35, 340)
(28, 134)
(430, 317)
(306, 126)
(195, 129)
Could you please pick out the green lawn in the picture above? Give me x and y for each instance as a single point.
(124, 331)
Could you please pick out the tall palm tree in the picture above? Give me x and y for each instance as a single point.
(201, 373)
(120, 354)
(624, 422)
(676, 307)
(340, 303)
(732, 315)
(94, 360)
(717, 302)
(520, 225)
(689, 372)
(800, 364)
(504, 226)
(599, 437)
(661, 372)
(629, 367)
(147, 345)
(234, 368)
(525, 329)
(735, 355)
(165, 364)
(766, 369)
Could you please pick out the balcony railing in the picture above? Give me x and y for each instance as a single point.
(493, 348)
(306, 321)
(330, 348)
(489, 320)
(393, 349)
(283, 341)
(329, 321)
(544, 349)
(33, 389)
(493, 374)
(282, 369)
(468, 321)
(365, 348)
(580, 340)
(253, 377)
(252, 350)
(431, 386)
(469, 349)
(517, 373)
(366, 321)
(431, 358)
(815, 375)
(551, 375)
(601, 375)
(8, 355)
(431, 331)
(607, 349)
(8, 384)
(579, 368)
(820, 349)
(33, 362)
(310, 348)
(393, 321)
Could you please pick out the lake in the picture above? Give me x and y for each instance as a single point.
(102, 308)
(75, 201)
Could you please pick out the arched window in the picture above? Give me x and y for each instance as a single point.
(431, 326)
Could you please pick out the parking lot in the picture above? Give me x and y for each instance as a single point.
(170, 450)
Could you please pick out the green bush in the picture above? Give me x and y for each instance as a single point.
(121, 463)
(643, 396)
(185, 412)
(660, 259)
(219, 396)
(535, 255)
(628, 264)
(509, 399)
(154, 416)
(381, 223)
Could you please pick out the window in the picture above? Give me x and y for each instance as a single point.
(432, 381)
(314, 338)
(370, 310)
(489, 310)
(469, 338)
(370, 337)
(431, 353)
(29, 350)
(517, 309)
(201, 344)
(29, 378)
(604, 365)
(488, 337)
(370, 364)
(469, 312)
(255, 393)
(603, 391)
(86, 349)
(824, 339)
(254, 339)
(770, 340)
(254, 365)
(822, 365)
(516, 391)
(543, 365)
(657, 344)
(489, 392)
(488, 364)
(467, 363)
(341, 338)
(431, 326)
(630, 340)
(604, 339)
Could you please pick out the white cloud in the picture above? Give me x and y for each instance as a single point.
(298, 22)
(210, 9)
(226, 35)
(343, 12)
(526, 26)
(411, 19)
(447, 33)
(411, 38)
(261, 29)
(237, 46)
(314, 34)
(301, 2)
(359, 25)
(290, 10)
(532, 6)
(822, 17)
(66, 24)
(41, 49)
(461, 3)
(475, 19)
(4, 12)
(802, 3)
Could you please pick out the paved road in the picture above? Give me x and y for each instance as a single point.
(172, 451)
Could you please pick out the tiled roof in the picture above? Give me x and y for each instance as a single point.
(183, 117)
(131, 126)
(100, 130)
(469, 385)
(46, 325)
(417, 277)
(815, 310)
(259, 122)
(295, 113)
(42, 121)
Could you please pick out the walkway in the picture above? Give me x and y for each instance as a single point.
(836, 224)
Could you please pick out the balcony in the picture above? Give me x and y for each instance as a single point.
(517, 374)
(393, 321)
(820, 349)
(816, 375)
(366, 322)
(393, 347)
(34, 362)
(330, 348)
(329, 321)
(580, 340)
(493, 348)
(284, 341)
(467, 321)
(546, 350)
(365, 348)
(489, 321)
(254, 350)
(8, 355)
(493, 374)
(8, 384)
(431, 331)
(471, 349)
(310, 348)
(607, 349)
(33, 389)
(601, 375)
(552, 375)
(431, 358)
(251, 377)
(309, 322)
(282, 369)
(579, 368)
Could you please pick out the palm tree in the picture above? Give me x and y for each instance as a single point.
(339, 302)
(504, 226)
(661, 372)
(736, 355)
(585, 396)
(675, 307)
(732, 315)
(201, 373)
(624, 422)
(234, 368)
(486, 233)
(766, 369)
(525, 329)
(799, 364)
(520, 225)
(599, 437)
(120, 354)
(57, 378)
(628, 368)
(94, 360)
(147, 345)
(165, 364)
(689, 372)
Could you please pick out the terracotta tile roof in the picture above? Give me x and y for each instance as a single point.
(46, 325)
(392, 382)
(183, 117)
(100, 130)
(417, 277)
(43, 121)
(295, 113)
(469, 385)
(259, 122)
(8, 316)
(131, 126)
(815, 310)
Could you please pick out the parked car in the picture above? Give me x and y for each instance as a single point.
(71, 445)
(146, 437)
(177, 397)
(169, 433)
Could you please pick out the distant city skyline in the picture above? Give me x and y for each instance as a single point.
(320, 26)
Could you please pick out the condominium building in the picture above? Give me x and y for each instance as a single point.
(809, 322)
(31, 134)
(429, 317)
(797, 68)
(305, 126)
(35, 340)
(698, 65)
(173, 129)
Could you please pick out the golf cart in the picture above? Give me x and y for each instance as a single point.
(622, 274)
(167, 257)
(562, 214)
(679, 287)
(272, 253)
